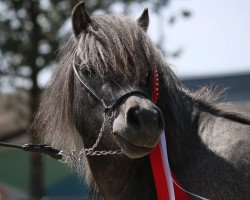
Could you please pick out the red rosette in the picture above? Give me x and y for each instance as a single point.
(155, 84)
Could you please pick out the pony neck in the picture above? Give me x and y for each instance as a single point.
(179, 113)
(123, 178)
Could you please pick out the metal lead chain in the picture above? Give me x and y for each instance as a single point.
(73, 157)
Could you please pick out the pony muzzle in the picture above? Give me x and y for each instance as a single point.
(138, 126)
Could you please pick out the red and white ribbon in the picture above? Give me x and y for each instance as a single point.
(159, 157)
(167, 186)
(161, 172)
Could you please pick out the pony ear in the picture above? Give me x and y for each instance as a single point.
(143, 20)
(80, 18)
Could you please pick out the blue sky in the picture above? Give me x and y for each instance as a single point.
(216, 39)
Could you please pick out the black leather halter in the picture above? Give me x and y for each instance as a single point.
(108, 109)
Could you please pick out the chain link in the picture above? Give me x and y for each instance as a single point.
(68, 157)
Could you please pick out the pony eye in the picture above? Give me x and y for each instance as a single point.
(88, 72)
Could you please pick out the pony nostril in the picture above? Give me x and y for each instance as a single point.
(133, 117)
(141, 118)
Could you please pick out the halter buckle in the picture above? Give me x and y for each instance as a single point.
(109, 112)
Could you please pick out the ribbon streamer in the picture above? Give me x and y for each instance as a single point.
(165, 188)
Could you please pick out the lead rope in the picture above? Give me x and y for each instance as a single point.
(72, 156)
(67, 156)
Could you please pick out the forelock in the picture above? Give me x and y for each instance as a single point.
(115, 45)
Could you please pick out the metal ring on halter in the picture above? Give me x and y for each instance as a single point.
(109, 113)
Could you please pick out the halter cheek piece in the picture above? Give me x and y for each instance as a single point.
(108, 109)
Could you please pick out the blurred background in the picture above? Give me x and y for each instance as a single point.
(205, 42)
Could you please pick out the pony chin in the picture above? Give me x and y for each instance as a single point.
(131, 150)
